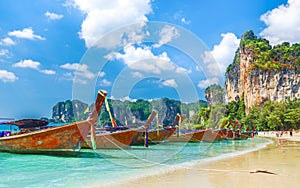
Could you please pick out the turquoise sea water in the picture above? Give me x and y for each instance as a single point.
(111, 166)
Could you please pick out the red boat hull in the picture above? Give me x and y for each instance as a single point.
(188, 137)
(154, 136)
(213, 135)
(114, 140)
(55, 140)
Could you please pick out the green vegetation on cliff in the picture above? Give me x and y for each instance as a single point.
(266, 57)
(214, 94)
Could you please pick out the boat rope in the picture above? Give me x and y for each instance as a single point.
(93, 137)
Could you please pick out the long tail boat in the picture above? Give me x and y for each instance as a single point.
(233, 134)
(61, 140)
(158, 136)
(238, 135)
(112, 140)
(194, 136)
(248, 133)
(154, 136)
(212, 134)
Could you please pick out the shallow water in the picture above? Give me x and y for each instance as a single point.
(109, 166)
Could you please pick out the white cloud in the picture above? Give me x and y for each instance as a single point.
(217, 60)
(53, 16)
(137, 75)
(6, 76)
(81, 69)
(4, 52)
(143, 59)
(126, 98)
(101, 74)
(7, 42)
(170, 83)
(26, 33)
(187, 22)
(181, 70)
(179, 16)
(104, 16)
(221, 56)
(205, 83)
(28, 63)
(80, 72)
(49, 72)
(166, 35)
(283, 23)
(105, 82)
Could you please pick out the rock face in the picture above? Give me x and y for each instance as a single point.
(214, 94)
(261, 72)
(69, 111)
(125, 112)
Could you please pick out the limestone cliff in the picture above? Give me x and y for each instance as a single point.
(261, 72)
(214, 94)
(69, 111)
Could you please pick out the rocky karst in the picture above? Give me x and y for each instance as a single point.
(261, 72)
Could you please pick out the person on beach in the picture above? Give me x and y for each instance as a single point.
(291, 133)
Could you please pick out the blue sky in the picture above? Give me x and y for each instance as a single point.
(54, 50)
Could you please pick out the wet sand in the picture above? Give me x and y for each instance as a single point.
(281, 158)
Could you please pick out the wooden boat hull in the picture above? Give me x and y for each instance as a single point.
(236, 136)
(213, 135)
(241, 137)
(188, 137)
(114, 140)
(154, 137)
(55, 140)
(229, 134)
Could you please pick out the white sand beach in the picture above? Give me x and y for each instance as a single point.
(277, 165)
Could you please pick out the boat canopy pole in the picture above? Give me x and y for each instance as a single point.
(114, 124)
(146, 126)
(181, 119)
(179, 125)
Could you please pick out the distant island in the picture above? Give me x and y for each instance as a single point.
(127, 112)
